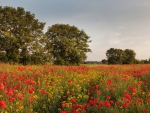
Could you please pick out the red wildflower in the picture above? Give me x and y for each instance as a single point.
(97, 86)
(2, 104)
(10, 92)
(109, 81)
(92, 102)
(111, 102)
(124, 105)
(148, 100)
(117, 103)
(122, 98)
(127, 96)
(31, 98)
(100, 104)
(144, 111)
(134, 95)
(63, 111)
(73, 100)
(107, 104)
(108, 98)
(133, 90)
(95, 99)
(11, 99)
(63, 105)
(69, 81)
(1, 86)
(31, 91)
(21, 98)
(98, 92)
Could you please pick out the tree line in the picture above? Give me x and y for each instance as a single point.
(119, 56)
(23, 41)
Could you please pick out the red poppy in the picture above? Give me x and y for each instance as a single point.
(11, 99)
(31, 91)
(98, 92)
(144, 111)
(63, 105)
(70, 82)
(63, 111)
(148, 100)
(1, 86)
(127, 96)
(125, 105)
(107, 104)
(117, 103)
(2, 104)
(73, 100)
(109, 81)
(108, 98)
(31, 98)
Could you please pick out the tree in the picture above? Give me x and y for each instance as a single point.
(67, 44)
(119, 56)
(129, 56)
(104, 61)
(19, 30)
(3, 57)
(115, 56)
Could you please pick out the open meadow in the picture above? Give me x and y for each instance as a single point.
(75, 89)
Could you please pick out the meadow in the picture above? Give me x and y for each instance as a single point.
(75, 89)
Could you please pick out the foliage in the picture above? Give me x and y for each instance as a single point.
(19, 31)
(67, 44)
(119, 56)
(129, 56)
(104, 61)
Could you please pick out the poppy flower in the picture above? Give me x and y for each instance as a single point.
(2, 104)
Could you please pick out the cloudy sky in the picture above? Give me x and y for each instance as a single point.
(122, 24)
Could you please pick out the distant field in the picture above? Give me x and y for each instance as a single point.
(75, 89)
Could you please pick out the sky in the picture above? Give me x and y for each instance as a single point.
(121, 24)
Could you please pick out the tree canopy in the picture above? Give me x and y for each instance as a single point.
(119, 56)
(19, 33)
(23, 41)
(67, 44)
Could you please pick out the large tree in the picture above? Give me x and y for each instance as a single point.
(67, 44)
(119, 56)
(19, 30)
(129, 56)
(115, 56)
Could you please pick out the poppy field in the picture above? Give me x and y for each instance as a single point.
(75, 89)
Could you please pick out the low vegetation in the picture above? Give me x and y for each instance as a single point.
(74, 89)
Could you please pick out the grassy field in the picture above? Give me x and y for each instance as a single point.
(75, 89)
